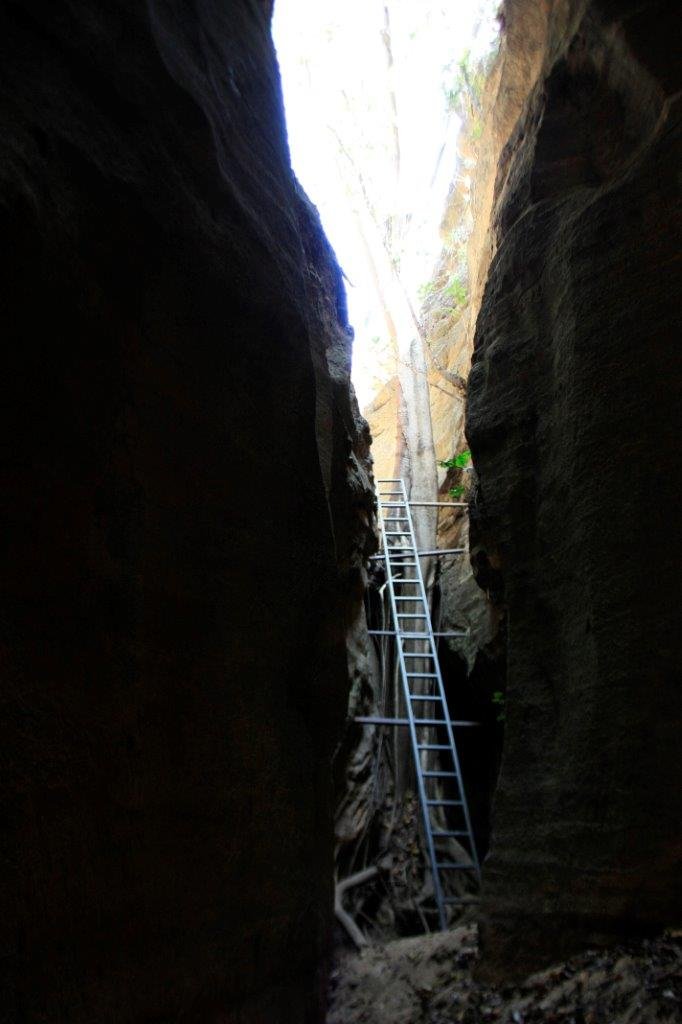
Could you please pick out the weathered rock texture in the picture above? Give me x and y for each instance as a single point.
(182, 522)
(431, 979)
(573, 419)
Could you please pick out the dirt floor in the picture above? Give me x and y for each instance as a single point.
(428, 980)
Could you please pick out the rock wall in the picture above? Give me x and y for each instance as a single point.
(573, 419)
(185, 512)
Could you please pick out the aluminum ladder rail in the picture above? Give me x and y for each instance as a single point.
(400, 551)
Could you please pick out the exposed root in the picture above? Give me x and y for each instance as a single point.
(342, 915)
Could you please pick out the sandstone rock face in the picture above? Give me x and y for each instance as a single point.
(185, 513)
(573, 419)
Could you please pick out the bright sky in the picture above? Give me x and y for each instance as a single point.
(336, 92)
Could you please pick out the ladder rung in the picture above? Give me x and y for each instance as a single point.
(416, 696)
(394, 533)
(433, 746)
(440, 775)
(451, 866)
(417, 654)
(412, 615)
(447, 833)
(422, 675)
(444, 803)
(399, 598)
(407, 581)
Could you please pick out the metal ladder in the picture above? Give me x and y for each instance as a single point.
(423, 690)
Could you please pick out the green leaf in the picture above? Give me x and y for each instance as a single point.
(462, 459)
(456, 492)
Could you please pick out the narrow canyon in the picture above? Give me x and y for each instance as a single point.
(190, 546)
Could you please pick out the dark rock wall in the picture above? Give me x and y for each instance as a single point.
(183, 511)
(574, 424)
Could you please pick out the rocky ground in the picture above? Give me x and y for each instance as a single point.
(429, 980)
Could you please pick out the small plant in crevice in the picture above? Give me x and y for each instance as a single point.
(457, 462)
(456, 291)
(498, 698)
(426, 289)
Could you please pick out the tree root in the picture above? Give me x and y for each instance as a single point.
(342, 915)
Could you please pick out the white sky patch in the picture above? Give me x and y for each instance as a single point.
(336, 94)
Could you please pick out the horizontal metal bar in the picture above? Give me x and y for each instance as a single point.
(377, 720)
(423, 697)
(424, 504)
(409, 551)
(444, 551)
(445, 834)
(440, 721)
(412, 636)
(392, 632)
(444, 803)
(441, 504)
(440, 775)
(433, 746)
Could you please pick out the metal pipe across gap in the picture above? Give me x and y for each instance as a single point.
(430, 504)
(411, 636)
(436, 551)
(374, 720)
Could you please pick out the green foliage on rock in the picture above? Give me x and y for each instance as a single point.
(457, 291)
(457, 461)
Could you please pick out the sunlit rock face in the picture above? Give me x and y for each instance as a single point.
(184, 511)
(573, 419)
